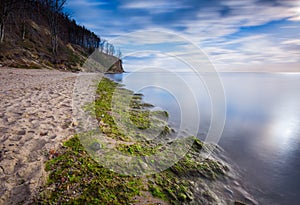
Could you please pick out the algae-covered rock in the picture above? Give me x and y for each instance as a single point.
(76, 178)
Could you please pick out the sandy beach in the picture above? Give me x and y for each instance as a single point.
(36, 116)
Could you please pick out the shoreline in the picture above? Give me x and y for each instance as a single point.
(234, 183)
(189, 173)
(37, 94)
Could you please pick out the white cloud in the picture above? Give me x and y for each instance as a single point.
(255, 52)
(147, 37)
(156, 60)
(85, 3)
(209, 29)
(210, 22)
(292, 41)
(154, 6)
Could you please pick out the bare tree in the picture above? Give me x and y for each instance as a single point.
(107, 45)
(55, 8)
(22, 11)
(111, 49)
(119, 54)
(102, 44)
(98, 41)
(6, 7)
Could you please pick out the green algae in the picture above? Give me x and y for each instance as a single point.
(175, 184)
(76, 178)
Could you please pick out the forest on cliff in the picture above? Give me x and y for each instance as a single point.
(40, 34)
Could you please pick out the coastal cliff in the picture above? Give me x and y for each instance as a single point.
(117, 67)
(43, 36)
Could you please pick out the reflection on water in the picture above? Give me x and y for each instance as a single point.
(262, 130)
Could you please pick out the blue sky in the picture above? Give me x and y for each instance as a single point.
(245, 35)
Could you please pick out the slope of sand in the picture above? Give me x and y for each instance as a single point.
(35, 116)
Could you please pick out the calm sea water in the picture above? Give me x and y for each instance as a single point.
(262, 127)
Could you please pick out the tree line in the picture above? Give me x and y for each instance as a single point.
(15, 13)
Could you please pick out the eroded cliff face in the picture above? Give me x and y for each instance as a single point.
(102, 63)
(117, 67)
(34, 51)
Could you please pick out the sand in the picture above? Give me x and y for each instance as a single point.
(35, 117)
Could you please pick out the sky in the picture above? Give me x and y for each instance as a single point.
(234, 35)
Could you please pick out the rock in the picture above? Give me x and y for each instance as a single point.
(190, 195)
(143, 165)
(239, 203)
(209, 196)
(236, 183)
(74, 123)
(21, 132)
(182, 197)
(43, 133)
(228, 190)
(95, 146)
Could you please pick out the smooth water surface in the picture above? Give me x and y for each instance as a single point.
(262, 127)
